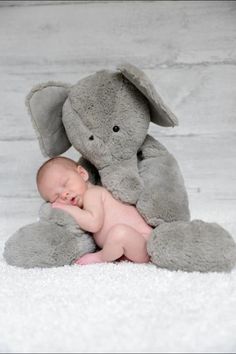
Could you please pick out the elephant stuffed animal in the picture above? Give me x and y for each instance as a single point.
(105, 117)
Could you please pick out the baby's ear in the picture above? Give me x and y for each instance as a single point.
(83, 173)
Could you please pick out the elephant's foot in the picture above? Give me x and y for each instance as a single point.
(45, 245)
(192, 246)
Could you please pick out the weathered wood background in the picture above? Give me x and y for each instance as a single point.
(188, 49)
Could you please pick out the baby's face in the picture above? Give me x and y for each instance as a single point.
(64, 185)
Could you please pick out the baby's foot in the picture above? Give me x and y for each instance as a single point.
(89, 258)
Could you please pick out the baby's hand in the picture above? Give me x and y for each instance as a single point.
(70, 209)
(58, 205)
(62, 206)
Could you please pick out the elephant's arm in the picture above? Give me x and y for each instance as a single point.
(164, 196)
(59, 217)
(55, 240)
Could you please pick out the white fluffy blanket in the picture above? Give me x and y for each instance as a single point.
(119, 307)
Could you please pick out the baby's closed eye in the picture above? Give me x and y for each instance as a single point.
(65, 182)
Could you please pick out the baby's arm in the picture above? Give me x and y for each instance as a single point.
(91, 217)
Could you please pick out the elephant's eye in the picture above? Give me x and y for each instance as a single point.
(91, 137)
(116, 128)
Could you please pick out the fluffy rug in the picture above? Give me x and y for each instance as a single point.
(116, 307)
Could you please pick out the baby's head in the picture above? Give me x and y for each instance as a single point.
(61, 179)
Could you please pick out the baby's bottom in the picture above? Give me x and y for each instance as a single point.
(122, 240)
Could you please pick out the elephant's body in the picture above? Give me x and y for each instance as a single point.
(106, 118)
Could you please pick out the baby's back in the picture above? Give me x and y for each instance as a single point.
(117, 212)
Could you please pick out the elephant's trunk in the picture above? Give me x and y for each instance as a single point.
(123, 173)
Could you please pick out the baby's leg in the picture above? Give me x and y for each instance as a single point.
(121, 240)
(90, 258)
(125, 240)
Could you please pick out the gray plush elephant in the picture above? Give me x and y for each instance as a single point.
(106, 117)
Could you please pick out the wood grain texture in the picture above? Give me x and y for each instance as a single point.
(98, 33)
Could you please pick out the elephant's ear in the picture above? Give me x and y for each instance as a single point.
(45, 102)
(160, 113)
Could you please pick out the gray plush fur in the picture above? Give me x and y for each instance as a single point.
(178, 245)
(164, 197)
(135, 167)
(55, 240)
(50, 132)
(159, 112)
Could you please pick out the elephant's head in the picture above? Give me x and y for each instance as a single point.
(105, 116)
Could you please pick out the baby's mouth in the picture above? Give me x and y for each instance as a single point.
(73, 201)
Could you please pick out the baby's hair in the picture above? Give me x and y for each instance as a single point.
(59, 160)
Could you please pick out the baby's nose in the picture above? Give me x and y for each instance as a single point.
(65, 195)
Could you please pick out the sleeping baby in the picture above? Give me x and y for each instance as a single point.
(118, 229)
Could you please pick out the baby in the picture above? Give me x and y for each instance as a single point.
(118, 229)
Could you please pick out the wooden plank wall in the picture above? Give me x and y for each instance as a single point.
(188, 50)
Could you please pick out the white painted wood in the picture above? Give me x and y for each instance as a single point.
(148, 33)
(17, 3)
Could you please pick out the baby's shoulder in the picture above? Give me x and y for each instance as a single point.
(96, 191)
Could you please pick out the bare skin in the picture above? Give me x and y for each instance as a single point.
(118, 229)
